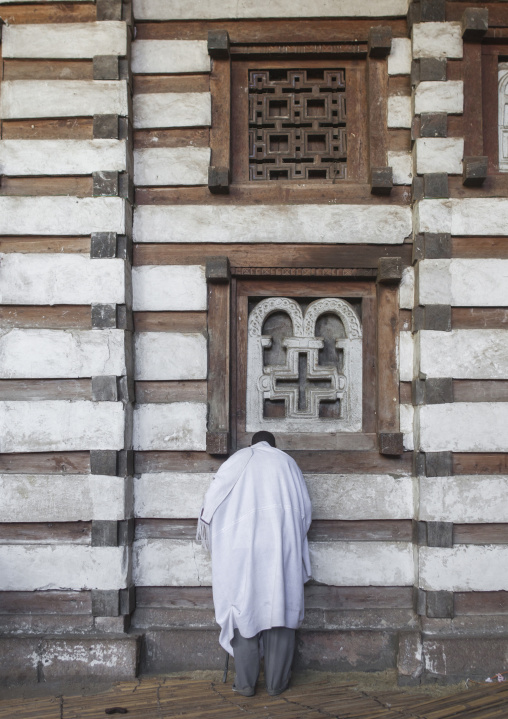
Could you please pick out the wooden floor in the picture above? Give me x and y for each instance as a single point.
(165, 697)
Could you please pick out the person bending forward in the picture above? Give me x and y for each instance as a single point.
(254, 521)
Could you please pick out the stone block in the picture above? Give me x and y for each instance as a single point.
(190, 564)
(104, 388)
(353, 563)
(389, 270)
(170, 56)
(409, 658)
(440, 534)
(218, 180)
(436, 155)
(474, 23)
(380, 41)
(125, 532)
(475, 171)
(399, 59)
(381, 180)
(402, 166)
(171, 166)
(391, 443)
(126, 187)
(433, 124)
(217, 442)
(432, 10)
(179, 650)
(104, 533)
(439, 605)
(127, 600)
(103, 244)
(437, 40)
(68, 41)
(436, 96)
(112, 625)
(399, 113)
(417, 189)
(438, 245)
(176, 426)
(450, 659)
(172, 109)
(217, 269)
(105, 67)
(125, 463)
(464, 499)
(109, 9)
(60, 157)
(438, 464)
(105, 602)
(432, 69)
(438, 317)
(435, 185)
(103, 461)
(218, 44)
(464, 568)
(105, 127)
(105, 184)
(345, 651)
(464, 427)
(169, 287)
(438, 390)
(103, 316)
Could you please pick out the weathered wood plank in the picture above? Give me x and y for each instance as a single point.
(480, 463)
(377, 101)
(171, 83)
(218, 359)
(172, 137)
(480, 603)
(48, 69)
(79, 245)
(31, 13)
(480, 247)
(220, 132)
(399, 140)
(388, 373)
(266, 255)
(49, 602)
(473, 116)
(45, 317)
(72, 128)
(480, 533)
(45, 463)
(29, 389)
(81, 186)
(176, 391)
(241, 194)
(46, 533)
(468, 318)
(480, 390)
(170, 321)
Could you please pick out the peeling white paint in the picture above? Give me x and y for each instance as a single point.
(399, 59)
(435, 96)
(465, 354)
(464, 282)
(464, 427)
(399, 111)
(402, 167)
(65, 40)
(170, 356)
(466, 568)
(439, 154)
(437, 39)
(170, 563)
(360, 564)
(171, 166)
(464, 499)
(406, 356)
(61, 157)
(169, 287)
(172, 109)
(180, 426)
(168, 56)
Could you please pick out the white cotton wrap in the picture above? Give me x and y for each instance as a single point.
(258, 511)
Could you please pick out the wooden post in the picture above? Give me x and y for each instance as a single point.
(218, 277)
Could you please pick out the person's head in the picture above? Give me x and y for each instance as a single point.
(263, 437)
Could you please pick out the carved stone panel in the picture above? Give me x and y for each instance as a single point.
(503, 116)
(304, 366)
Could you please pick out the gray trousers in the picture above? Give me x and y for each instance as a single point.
(279, 647)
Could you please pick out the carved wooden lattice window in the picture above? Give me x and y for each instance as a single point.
(297, 124)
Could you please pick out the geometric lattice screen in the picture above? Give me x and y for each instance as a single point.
(297, 124)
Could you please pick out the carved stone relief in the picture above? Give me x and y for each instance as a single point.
(297, 380)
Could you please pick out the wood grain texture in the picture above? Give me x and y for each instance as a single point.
(220, 131)
(480, 533)
(376, 97)
(399, 140)
(498, 15)
(477, 318)
(387, 365)
(480, 603)
(72, 128)
(143, 84)
(45, 317)
(494, 185)
(175, 462)
(81, 186)
(480, 463)
(49, 389)
(218, 357)
(165, 392)
(45, 463)
(342, 192)
(73, 245)
(480, 247)
(46, 532)
(170, 321)
(32, 13)
(465, 390)
(490, 109)
(48, 70)
(267, 255)
(174, 137)
(46, 602)
(473, 115)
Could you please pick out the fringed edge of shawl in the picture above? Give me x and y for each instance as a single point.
(203, 535)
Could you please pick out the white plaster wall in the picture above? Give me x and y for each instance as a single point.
(399, 111)
(333, 496)
(273, 223)
(437, 39)
(439, 154)
(25, 568)
(407, 289)
(197, 10)
(435, 96)
(464, 282)
(168, 56)
(61, 215)
(171, 562)
(178, 426)
(26, 353)
(466, 568)
(63, 98)
(406, 417)
(65, 40)
(171, 166)
(402, 167)
(406, 356)
(172, 109)
(399, 59)
(464, 499)
(61, 157)
(50, 279)
(360, 564)
(464, 427)
(170, 356)
(58, 425)
(469, 216)
(169, 287)
(56, 498)
(465, 354)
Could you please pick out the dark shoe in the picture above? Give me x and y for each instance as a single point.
(276, 692)
(247, 692)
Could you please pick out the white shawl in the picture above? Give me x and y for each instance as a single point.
(258, 513)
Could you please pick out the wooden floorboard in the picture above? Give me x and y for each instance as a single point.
(160, 697)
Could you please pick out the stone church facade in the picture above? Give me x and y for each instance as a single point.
(219, 217)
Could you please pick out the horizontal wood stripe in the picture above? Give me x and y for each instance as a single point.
(480, 603)
(143, 84)
(467, 390)
(45, 463)
(31, 13)
(173, 137)
(74, 245)
(170, 321)
(480, 247)
(399, 141)
(471, 318)
(342, 462)
(312, 192)
(48, 70)
(493, 185)
(267, 255)
(174, 391)
(267, 31)
(399, 85)
(46, 317)
(405, 396)
(77, 186)
(480, 533)
(480, 463)
(72, 128)
(46, 532)
(48, 602)
(31, 389)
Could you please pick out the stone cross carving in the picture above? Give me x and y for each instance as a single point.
(302, 383)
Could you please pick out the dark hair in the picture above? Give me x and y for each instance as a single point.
(263, 437)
